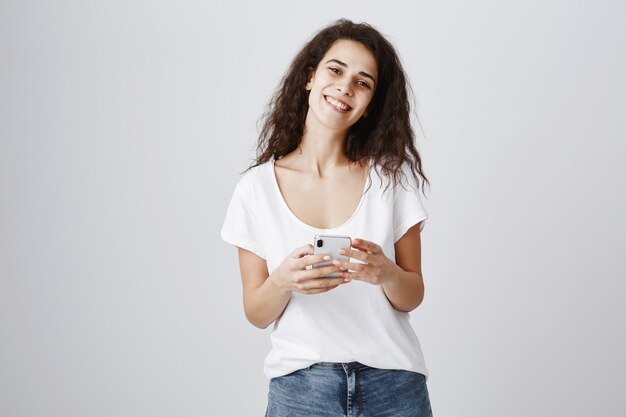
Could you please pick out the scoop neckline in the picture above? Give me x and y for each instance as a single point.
(280, 196)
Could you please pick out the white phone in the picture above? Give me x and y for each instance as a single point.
(331, 244)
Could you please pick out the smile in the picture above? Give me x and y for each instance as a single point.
(337, 105)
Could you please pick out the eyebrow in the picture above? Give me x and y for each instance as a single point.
(363, 73)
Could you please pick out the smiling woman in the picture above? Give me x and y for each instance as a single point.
(341, 345)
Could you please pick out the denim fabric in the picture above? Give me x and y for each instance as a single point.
(334, 389)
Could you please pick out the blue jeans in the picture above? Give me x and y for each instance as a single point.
(334, 389)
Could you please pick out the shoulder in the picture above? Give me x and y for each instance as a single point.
(256, 184)
(255, 176)
(404, 181)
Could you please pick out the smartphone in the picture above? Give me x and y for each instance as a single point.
(331, 244)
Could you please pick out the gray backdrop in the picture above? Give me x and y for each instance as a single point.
(124, 126)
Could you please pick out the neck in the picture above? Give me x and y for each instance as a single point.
(321, 148)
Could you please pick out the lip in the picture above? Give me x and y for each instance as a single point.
(339, 100)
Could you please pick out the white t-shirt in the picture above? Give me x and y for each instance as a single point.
(353, 322)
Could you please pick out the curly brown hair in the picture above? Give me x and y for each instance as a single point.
(385, 135)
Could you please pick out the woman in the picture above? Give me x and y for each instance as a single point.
(341, 345)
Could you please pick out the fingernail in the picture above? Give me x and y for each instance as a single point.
(327, 257)
(335, 262)
(342, 251)
(347, 279)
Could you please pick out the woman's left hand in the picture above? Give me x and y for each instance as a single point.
(376, 269)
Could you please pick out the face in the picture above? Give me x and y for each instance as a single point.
(342, 85)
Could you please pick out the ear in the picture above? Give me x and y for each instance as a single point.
(310, 77)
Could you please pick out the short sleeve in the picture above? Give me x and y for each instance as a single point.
(408, 209)
(241, 228)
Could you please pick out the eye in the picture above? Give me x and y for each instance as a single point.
(360, 82)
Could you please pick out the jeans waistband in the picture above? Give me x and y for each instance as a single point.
(347, 366)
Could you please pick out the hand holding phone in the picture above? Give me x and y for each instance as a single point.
(295, 273)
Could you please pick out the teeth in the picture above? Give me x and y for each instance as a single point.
(337, 104)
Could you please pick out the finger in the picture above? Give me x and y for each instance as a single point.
(323, 283)
(307, 260)
(322, 270)
(315, 273)
(302, 251)
(356, 254)
(350, 265)
(363, 244)
(321, 290)
(359, 276)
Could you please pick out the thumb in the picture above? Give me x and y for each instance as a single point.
(302, 251)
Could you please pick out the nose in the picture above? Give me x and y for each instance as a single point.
(343, 88)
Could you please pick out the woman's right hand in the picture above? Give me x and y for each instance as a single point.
(292, 275)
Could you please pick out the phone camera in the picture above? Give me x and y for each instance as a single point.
(320, 243)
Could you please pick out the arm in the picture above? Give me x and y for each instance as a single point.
(265, 297)
(401, 279)
(405, 289)
(263, 301)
